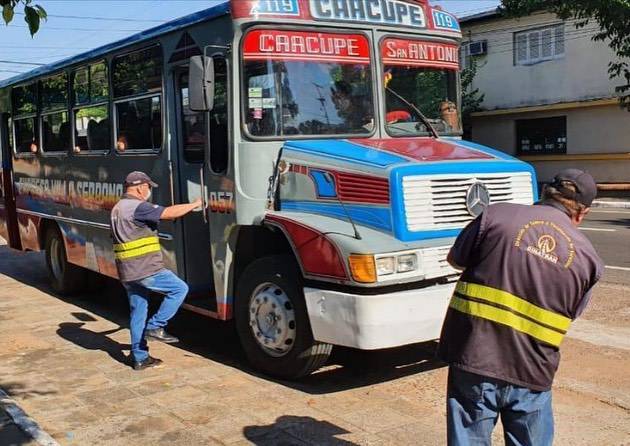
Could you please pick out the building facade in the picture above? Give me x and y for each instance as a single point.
(548, 97)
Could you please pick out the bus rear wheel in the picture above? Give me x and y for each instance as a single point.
(272, 320)
(65, 278)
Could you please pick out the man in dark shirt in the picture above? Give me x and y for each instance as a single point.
(134, 223)
(528, 272)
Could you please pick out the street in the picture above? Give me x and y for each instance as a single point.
(609, 231)
(63, 362)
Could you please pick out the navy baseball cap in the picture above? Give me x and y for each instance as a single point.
(585, 185)
(137, 178)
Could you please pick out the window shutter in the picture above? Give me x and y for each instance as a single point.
(547, 44)
(521, 48)
(559, 31)
(534, 46)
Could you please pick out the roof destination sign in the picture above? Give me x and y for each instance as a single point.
(387, 12)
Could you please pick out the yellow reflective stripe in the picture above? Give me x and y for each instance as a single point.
(508, 318)
(143, 250)
(515, 303)
(135, 244)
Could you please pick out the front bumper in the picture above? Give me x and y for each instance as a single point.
(377, 321)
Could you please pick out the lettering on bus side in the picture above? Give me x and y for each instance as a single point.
(85, 194)
(221, 202)
(390, 12)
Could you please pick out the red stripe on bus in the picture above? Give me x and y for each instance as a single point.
(424, 149)
(317, 254)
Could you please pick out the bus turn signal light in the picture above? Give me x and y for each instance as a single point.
(363, 268)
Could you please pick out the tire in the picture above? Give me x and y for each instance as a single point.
(270, 306)
(65, 278)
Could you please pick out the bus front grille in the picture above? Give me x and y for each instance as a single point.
(436, 202)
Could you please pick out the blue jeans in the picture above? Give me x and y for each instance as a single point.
(164, 282)
(475, 402)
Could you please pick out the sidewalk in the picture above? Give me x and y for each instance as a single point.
(612, 202)
(11, 434)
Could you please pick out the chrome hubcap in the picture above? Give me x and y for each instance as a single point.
(272, 319)
(55, 258)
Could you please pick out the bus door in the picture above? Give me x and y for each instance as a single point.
(192, 140)
(8, 216)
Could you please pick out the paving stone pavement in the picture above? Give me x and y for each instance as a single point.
(64, 361)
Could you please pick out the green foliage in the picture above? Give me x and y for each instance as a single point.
(471, 98)
(613, 18)
(431, 90)
(33, 14)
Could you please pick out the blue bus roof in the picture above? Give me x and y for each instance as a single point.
(174, 25)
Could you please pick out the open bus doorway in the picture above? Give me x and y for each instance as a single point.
(9, 230)
(191, 149)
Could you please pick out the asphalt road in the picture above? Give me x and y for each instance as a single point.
(609, 231)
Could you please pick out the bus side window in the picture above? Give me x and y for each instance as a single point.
(24, 101)
(219, 148)
(56, 130)
(137, 90)
(92, 123)
(193, 126)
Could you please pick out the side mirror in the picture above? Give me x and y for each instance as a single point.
(201, 83)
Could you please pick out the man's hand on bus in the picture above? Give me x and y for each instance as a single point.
(179, 210)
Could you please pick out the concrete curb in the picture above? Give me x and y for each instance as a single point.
(24, 422)
(611, 204)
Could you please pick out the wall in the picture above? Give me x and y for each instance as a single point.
(580, 74)
(590, 130)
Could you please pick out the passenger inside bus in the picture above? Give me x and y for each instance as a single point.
(352, 107)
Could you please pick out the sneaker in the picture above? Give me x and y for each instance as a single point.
(159, 334)
(147, 363)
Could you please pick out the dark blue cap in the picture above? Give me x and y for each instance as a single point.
(585, 185)
(137, 178)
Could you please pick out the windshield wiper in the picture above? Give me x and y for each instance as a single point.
(424, 119)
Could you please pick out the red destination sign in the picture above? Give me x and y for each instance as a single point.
(420, 53)
(306, 46)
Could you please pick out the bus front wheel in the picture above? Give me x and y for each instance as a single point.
(65, 278)
(272, 321)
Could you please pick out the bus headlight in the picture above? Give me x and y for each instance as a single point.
(407, 263)
(367, 268)
(385, 266)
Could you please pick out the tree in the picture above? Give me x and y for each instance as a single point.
(33, 14)
(613, 18)
(471, 97)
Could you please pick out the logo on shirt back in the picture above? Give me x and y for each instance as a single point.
(545, 247)
(547, 241)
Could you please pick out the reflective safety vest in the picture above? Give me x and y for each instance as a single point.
(507, 309)
(528, 272)
(136, 246)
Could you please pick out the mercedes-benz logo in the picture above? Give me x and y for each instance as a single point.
(477, 199)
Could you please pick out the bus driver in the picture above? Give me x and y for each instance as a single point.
(140, 266)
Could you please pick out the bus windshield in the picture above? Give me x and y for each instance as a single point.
(420, 76)
(302, 83)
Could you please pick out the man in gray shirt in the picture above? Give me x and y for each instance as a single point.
(134, 223)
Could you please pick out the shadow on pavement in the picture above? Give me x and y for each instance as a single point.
(291, 430)
(212, 339)
(20, 390)
(94, 340)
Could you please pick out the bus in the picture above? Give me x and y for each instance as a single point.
(324, 138)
